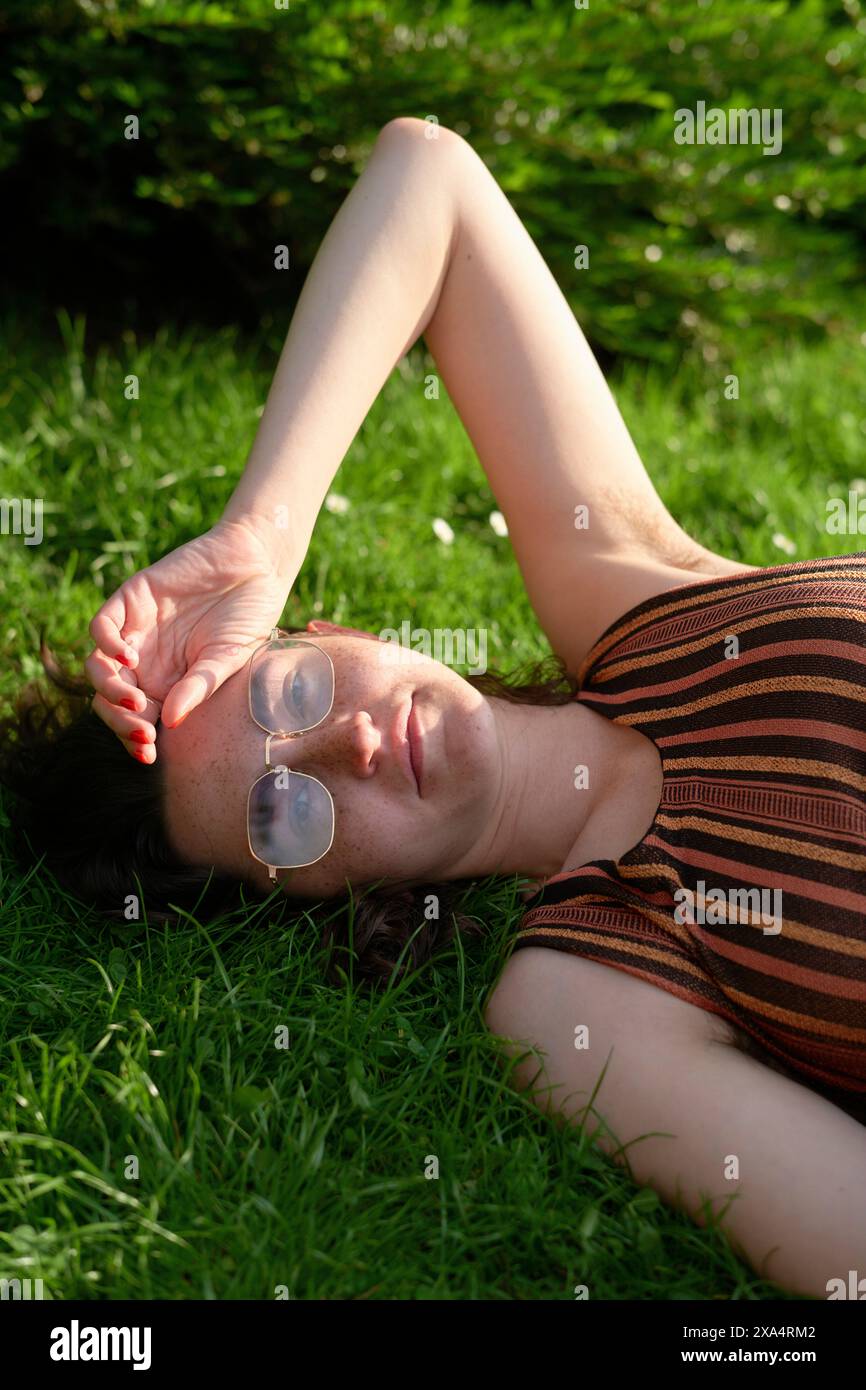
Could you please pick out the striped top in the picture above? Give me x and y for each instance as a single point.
(747, 895)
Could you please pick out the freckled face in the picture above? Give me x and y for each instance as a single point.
(383, 827)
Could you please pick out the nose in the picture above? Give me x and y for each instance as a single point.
(347, 743)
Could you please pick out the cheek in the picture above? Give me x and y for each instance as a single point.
(316, 883)
(369, 844)
(206, 821)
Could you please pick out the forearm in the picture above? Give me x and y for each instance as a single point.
(797, 1206)
(368, 296)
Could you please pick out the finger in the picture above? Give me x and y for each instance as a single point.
(105, 629)
(133, 636)
(130, 728)
(199, 683)
(119, 687)
(142, 752)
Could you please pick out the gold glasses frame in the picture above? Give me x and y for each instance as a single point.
(279, 635)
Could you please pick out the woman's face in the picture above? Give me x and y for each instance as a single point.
(383, 827)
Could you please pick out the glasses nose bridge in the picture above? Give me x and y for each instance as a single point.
(271, 738)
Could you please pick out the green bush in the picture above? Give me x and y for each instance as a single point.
(255, 121)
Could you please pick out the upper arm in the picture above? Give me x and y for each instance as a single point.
(544, 423)
(720, 1126)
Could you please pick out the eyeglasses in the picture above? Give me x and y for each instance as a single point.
(290, 815)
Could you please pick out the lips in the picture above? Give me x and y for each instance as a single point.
(401, 748)
(416, 745)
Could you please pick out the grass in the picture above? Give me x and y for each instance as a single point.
(304, 1169)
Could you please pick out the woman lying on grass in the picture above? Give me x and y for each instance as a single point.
(692, 967)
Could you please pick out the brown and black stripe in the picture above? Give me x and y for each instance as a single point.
(753, 689)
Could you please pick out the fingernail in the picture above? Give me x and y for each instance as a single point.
(139, 736)
(127, 704)
(122, 658)
(178, 722)
(140, 754)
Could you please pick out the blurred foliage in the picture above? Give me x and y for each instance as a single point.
(255, 120)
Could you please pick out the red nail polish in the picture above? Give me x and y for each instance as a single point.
(124, 661)
(139, 753)
(127, 704)
(139, 736)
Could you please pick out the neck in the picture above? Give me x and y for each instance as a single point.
(560, 767)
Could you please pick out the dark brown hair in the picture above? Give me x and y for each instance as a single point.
(96, 818)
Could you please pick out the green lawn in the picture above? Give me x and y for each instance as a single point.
(305, 1167)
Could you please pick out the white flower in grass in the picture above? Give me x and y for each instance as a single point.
(335, 503)
(499, 524)
(443, 530)
(784, 543)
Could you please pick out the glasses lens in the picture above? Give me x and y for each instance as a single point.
(291, 819)
(291, 686)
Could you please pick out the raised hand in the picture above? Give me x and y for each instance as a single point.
(173, 633)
